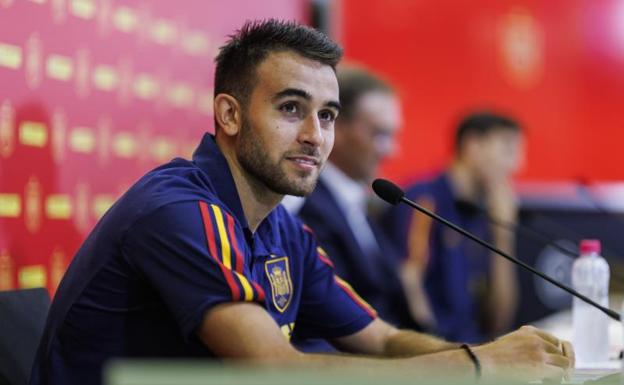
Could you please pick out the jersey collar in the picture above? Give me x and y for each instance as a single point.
(209, 158)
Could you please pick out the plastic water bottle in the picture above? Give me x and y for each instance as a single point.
(590, 277)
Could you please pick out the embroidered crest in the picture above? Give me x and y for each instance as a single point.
(278, 272)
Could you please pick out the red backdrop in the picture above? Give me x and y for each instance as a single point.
(556, 65)
(93, 93)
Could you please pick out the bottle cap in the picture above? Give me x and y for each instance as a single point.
(589, 246)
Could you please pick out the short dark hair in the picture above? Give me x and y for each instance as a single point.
(239, 58)
(481, 124)
(353, 83)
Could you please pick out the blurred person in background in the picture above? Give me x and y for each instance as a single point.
(459, 289)
(337, 209)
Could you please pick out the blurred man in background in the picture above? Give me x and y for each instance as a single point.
(337, 209)
(459, 287)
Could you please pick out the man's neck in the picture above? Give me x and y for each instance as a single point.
(463, 181)
(256, 199)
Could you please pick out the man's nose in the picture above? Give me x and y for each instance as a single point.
(310, 132)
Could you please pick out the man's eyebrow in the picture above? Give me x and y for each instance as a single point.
(334, 104)
(292, 92)
(305, 95)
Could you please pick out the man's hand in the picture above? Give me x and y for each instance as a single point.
(527, 354)
(500, 199)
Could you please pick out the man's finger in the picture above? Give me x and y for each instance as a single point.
(552, 348)
(547, 336)
(568, 351)
(557, 360)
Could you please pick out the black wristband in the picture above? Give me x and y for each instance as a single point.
(473, 358)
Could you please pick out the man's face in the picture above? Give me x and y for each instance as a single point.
(499, 154)
(287, 128)
(367, 137)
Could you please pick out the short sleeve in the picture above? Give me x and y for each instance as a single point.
(188, 252)
(408, 230)
(330, 308)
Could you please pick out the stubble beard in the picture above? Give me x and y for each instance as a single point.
(254, 159)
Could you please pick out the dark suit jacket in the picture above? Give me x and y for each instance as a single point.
(373, 275)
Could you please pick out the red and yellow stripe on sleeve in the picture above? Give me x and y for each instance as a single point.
(223, 247)
(345, 286)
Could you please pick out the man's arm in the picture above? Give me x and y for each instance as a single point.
(246, 331)
(381, 339)
(503, 292)
(413, 270)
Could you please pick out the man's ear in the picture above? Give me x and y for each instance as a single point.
(227, 112)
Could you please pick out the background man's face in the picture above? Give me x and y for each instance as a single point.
(288, 126)
(367, 137)
(499, 154)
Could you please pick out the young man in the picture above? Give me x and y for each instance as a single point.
(465, 292)
(198, 258)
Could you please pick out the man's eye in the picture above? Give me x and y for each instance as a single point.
(327, 116)
(289, 108)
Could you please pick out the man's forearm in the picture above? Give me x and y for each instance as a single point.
(412, 280)
(503, 286)
(380, 339)
(405, 343)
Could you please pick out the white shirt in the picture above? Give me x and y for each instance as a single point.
(351, 197)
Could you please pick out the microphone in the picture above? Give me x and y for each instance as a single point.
(393, 194)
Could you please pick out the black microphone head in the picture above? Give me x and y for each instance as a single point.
(388, 191)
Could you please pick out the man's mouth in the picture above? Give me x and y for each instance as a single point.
(304, 161)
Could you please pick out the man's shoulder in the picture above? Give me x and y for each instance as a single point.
(174, 184)
(429, 187)
(177, 181)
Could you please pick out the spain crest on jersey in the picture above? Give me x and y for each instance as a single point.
(278, 272)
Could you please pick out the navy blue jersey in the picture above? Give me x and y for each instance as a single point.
(456, 268)
(172, 247)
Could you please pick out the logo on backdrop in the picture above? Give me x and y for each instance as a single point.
(57, 267)
(59, 134)
(34, 59)
(7, 122)
(521, 48)
(82, 72)
(6, 3)
(105, 125)
(6, 270)
(59, 11)
(32, 195)
(82, 207)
